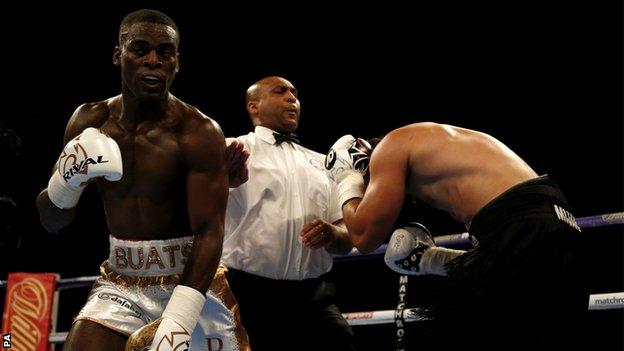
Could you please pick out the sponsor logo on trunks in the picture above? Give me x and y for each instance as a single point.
(121, 302)
(566, 217)
(157, 257)
(6, 341)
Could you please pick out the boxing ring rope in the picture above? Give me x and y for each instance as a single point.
(411, 314)
(464, 238)
(443, 240)
(382, 317)
(596, 301)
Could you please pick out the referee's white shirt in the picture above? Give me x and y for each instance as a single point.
(287, 188)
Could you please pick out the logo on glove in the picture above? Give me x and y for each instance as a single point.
(330, 159)
(359, 152)
(412, 262)
(170, 342)
(69, 165)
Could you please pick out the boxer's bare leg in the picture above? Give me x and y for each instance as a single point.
(90, 336)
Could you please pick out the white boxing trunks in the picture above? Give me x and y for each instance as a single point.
(136, 284)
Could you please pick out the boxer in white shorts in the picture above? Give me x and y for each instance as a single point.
(136, 284)
(162, 171)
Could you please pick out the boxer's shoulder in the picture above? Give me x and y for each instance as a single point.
(90, 114)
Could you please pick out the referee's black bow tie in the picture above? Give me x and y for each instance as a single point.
(280, 138)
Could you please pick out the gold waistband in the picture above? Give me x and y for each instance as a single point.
(124, 280)
(108, 274)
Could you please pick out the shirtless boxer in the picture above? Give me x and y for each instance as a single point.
(510, 290)
(159, 164)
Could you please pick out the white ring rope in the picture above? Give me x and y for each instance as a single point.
(596, 302)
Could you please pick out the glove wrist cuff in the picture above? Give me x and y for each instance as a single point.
(185, 306)
(62, 194)
(350, 187)
(434, 260)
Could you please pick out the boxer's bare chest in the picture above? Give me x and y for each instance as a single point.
(153, 163)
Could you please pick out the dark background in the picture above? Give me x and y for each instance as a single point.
(545, 79)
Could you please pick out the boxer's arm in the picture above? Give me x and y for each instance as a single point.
(342, 243)
(51, 217)
(203, 149)
(207, 193)
(370, 219)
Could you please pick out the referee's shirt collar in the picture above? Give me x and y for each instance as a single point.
(265, 134)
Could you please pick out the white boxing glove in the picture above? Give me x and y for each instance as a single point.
(90, 155)
(411, 250)
(172, 331)
(347, 162)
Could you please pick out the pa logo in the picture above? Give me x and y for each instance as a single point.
(6, 341)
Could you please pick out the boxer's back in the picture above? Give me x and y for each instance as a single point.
(460, 170)
(149, 202)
